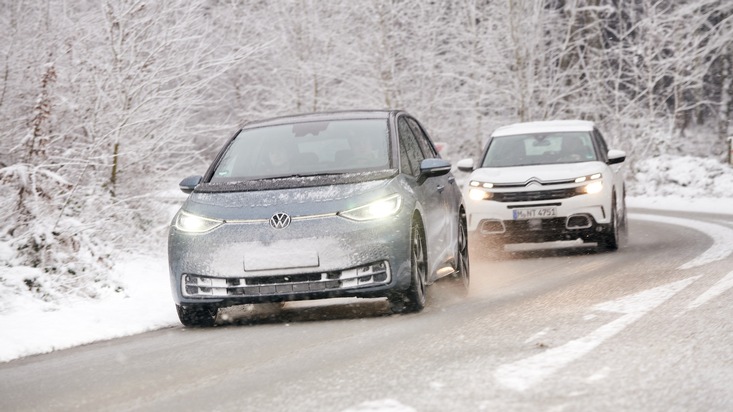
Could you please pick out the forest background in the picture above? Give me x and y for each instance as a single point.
(106, 104)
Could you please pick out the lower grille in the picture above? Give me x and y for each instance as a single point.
(361, 276)
(492, 226)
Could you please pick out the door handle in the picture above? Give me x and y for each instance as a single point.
(440, 188)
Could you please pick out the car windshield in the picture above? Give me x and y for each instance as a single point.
(306, 149)
(539, 149)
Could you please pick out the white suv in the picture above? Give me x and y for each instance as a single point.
(546, 181)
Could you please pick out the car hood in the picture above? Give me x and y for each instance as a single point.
(299, 201)
(544, 173)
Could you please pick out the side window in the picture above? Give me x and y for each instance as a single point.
(422, 139)
(602, 147)
(409, 147)
(405, 160)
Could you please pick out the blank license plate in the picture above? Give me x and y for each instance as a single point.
(535, 213)
(281, 259)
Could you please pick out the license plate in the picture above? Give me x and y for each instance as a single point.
(281, 259)
(535, 213)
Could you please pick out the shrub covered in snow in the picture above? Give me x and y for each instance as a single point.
(685, 176)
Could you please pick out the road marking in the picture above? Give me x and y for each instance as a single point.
(525, 373)
(386, 405)
(718, 289)
(722, 237)
(600, 375)
(537, 335)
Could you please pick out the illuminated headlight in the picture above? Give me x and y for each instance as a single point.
(478, 194)
(187, 222)
(476, 183)
(582, 179)
(594, 187)
(595, 184)
(388, 206)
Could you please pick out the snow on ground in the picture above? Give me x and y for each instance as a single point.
(30, 326)
(682, 183)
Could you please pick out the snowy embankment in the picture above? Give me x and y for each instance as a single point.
(31, 326)
(684, 183)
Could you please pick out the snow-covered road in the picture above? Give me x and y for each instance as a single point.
(646, 327)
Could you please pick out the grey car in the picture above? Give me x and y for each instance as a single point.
(341, 204)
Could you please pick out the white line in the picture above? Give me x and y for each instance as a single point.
(537, 335)
(718, 289)
(600, 375)
(722, 237)
(525, 373)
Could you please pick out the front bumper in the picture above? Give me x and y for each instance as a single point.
(582, 216)
(319, 257)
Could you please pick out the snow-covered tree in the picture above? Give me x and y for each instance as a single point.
(103, 104)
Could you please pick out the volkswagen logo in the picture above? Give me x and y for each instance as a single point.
(280, 220)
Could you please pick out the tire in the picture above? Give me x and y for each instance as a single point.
(462, 277)
(624, 224)
(610, 241)
(413, 299)
(197, 315)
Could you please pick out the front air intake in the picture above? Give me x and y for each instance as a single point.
(578, 222)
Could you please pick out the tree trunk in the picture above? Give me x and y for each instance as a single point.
(726, 97)
(113, 177)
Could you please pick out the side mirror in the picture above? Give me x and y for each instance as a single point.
(188, 184)
(434, 167)
(616, 156)
(465, 165)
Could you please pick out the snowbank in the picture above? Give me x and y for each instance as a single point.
(682, 177)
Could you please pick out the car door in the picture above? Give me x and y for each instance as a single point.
(447, 189)
(429, 194)
(616, 170)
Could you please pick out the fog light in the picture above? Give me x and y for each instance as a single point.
(478, 194)
(593, 188)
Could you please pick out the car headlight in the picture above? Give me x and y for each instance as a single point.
(594, 187)
(477, 192)
(595, 176)
(595, 184)
(387, 206)
(187, 222)
(476, 183)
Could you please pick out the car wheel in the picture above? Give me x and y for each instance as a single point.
(610, 240)
(413, 299)
(624, 224)
(197, 315)
(462, 276)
